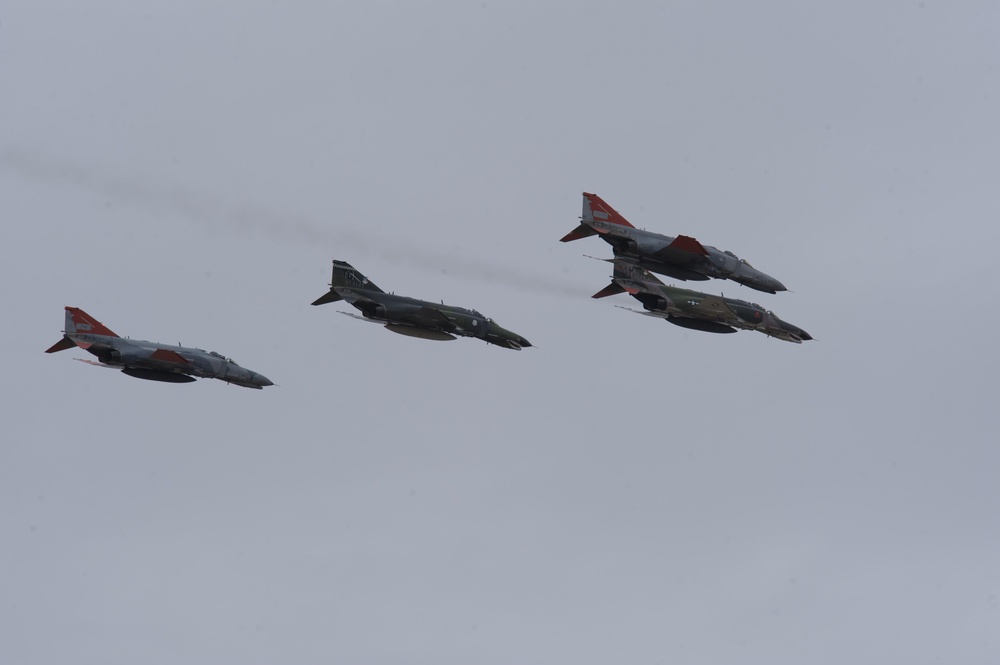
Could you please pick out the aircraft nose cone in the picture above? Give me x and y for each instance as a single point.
(262, 381)
(523, 342)
(798, 332)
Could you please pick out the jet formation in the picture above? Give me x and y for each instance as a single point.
(639, 253)
(412, 317)
(150, 360)
(680, 257)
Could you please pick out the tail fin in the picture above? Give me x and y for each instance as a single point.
(344, 274)
(630, 271)
(629, 278)
(594, 209)
(78, 320)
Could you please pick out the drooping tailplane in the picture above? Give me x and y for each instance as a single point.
(345, 275)
(614, 288)
(78, 321)
(582, 231)
(61, 345)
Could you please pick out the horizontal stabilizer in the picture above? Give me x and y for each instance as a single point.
(332, 296)
(582, 231)
(611, 289)
(61, 345)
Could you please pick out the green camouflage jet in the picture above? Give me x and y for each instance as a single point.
(409, 316)
(696, 310)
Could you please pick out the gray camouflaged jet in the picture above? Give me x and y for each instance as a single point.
(695, 310)
(682, 257)
(412, 317)
(150, 360)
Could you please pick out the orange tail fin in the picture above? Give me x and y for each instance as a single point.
(594, 207)
(78, 320)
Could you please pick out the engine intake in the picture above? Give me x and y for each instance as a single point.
(652, 302)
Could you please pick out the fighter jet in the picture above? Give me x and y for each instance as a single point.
(150, 360)
(695, 310)
(409, 316)
(682, 257)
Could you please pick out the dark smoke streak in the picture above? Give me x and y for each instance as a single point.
(282, 226)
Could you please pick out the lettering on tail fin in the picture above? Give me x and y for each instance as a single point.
(629, 271)
(627, 278)
(78, 320)
(354, 280)
(633, 273)
(344, 274)
(596, 208)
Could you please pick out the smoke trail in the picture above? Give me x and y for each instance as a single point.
(279, 225)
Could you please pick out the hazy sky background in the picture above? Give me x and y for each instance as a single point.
(626, 492)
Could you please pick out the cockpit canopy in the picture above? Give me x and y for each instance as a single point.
(743, 261)
(222, 357)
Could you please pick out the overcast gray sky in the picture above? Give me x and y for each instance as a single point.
(627, 491)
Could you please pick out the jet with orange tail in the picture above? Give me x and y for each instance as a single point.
(150, 360)
(680, 257)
